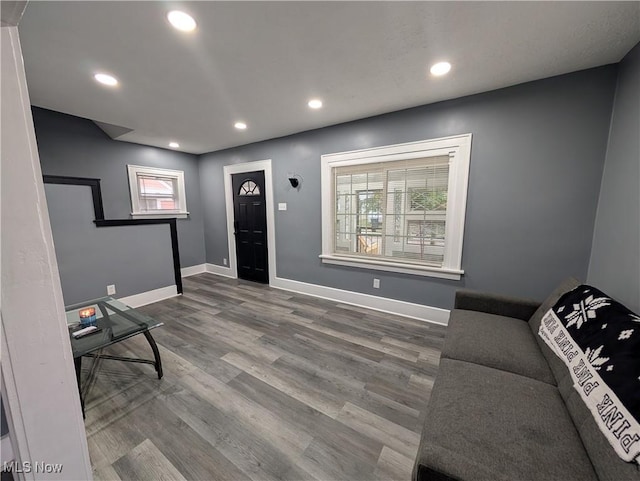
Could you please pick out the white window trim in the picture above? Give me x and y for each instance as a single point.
(458, 148)
(136, 213)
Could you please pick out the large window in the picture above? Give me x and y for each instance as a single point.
(399, 208)
(157, 192)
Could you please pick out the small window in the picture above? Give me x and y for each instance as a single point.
(398, 208)
(157, 192)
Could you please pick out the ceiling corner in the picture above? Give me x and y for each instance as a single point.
(113, 131)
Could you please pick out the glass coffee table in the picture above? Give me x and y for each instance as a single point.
(115, 322)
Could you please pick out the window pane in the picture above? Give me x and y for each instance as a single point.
(369, 243)
(158, 193)
(393, 210)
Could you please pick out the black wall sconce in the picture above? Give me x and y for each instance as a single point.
(295, 181)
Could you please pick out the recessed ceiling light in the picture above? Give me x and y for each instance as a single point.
(181, 21)
(315, 103)
(174, 145)
(240, 125)
(440, 68)
(106, 79)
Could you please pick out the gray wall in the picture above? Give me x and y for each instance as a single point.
(537, 158)
(73, 146)
(615, 257)
(134, 258)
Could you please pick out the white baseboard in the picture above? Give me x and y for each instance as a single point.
(144, 298)
(220, 270)
(193, 270)
(383, 304)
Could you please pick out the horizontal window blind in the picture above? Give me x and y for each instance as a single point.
(392, 210)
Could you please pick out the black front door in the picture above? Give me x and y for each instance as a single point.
(250, 226)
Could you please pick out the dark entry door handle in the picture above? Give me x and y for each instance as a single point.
(235, 227)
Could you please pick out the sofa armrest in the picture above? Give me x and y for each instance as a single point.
(495, 304)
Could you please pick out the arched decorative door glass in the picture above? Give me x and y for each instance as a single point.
(249, 187)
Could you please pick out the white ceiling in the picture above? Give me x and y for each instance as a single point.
(260, 62)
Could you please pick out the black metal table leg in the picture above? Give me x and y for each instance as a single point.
(78, 364)
(156, 353)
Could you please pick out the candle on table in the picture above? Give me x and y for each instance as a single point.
(87, 315)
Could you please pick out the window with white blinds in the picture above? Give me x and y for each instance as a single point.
(157, 192)
(398, 208)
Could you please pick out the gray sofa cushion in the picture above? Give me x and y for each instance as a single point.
(556, 365)
(487, 424)
(509, 306)
(495, 341)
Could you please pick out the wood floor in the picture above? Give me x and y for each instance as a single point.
(262, 384)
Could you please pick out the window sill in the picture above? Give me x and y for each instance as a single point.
(441, 273)
(166, 215)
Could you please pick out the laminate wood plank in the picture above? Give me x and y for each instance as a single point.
(104, 412)
(194, 457)
(231, 326)
(203, 297)
(304, 417)
(246, 292)
(263, 290)
(326, 462)
(175, 306)
(402, 394)
(285, 305)
(105, 473)
(257, 459)
(390, 409)
(393, 466)
(379, 319)
(298, 330)
(340, 387)
(211, 335)
(346, 324)
(325, 356)
(145, 462)
(425, 353)
(305, 393)
(194, 338)
(420, 383)
(193, 356)
(396, 437)
(419, 367)
(336, 359)
(112, 441)
(276, 430)
(361, 341)
(251, 318)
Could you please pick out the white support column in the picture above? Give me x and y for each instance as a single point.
(37, 364)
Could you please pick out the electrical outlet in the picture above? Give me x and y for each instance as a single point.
(224, 261)
(111, 289)
(376, 283)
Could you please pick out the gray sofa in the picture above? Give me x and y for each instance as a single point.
(503, 406)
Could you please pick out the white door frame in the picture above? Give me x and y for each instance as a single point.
(229, 170)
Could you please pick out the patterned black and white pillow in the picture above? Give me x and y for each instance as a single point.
(599, 340)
